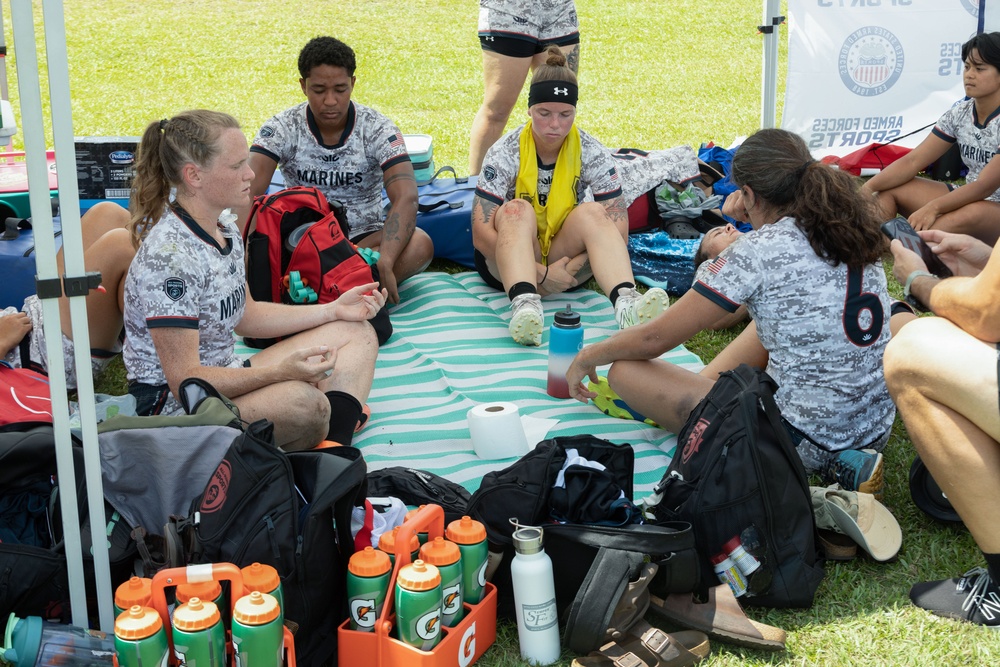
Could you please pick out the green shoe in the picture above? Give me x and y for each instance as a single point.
(611, 404)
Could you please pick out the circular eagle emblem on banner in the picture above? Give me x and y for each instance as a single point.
(971, 6)
(871, 61)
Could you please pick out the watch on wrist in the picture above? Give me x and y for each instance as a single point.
(910, 299)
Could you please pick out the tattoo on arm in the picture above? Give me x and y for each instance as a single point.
(390, 231)
(616, 210)
(573, 59)
(482, 210)
(397, 177)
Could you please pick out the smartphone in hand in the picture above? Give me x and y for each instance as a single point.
(899, 228)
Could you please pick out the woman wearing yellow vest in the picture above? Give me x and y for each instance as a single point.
(548, 212)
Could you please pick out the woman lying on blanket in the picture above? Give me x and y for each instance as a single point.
(811, 275)
(974, 124)
(108, 250)
(534, 234)
(186, 293)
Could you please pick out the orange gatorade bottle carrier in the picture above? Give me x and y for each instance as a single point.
(462, 644)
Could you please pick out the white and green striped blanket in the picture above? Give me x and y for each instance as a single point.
(450, 350)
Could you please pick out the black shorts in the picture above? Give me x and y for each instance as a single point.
(517, 47)
(479, 260)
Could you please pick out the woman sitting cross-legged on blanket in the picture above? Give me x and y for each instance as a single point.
(186, 293)
(534, 234)
(812, 278)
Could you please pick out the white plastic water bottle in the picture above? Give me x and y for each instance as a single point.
(534, 598)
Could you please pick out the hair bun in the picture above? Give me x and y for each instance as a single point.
(555, 56)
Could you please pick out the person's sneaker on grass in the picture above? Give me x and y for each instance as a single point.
(973, 597)
(634, 308)
(611, 404)
(857, 470)
(526, 319)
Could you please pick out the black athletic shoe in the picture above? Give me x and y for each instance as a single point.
(973, 597)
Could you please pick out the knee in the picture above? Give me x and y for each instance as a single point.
(420, 248)
(906, 356)
(620, 374)
(516, 216)
(306, 411)
(592, 215)
(106, 213)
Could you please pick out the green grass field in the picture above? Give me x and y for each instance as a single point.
(654, 73)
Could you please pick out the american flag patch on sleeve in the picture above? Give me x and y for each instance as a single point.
(396, 140)
(717, 265)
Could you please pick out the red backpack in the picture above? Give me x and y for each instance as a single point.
(24, 397)
(296, 230)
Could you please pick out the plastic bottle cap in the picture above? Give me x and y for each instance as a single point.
(369, 562)
(413, 513)
(567, 318)
(440, 551)
(419, 576)
(137, 590)
(206, 590)
(465, 531)
(719, 558)
(732, 544)
(260, 577)
(195, 615)
(387, 542)
(256, 609)
(528, 540)
(137, 622)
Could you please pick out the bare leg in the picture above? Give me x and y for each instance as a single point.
(517, 251)
(744, 349)
(416, 256)
(107, 249)
(300, 411)
(944, 383)
(659, 390)
(589, 228)
(503, 79)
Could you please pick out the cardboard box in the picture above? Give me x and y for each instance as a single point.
(105, 167)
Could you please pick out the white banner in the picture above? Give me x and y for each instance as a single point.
(861, 71)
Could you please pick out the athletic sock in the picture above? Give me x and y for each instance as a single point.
(993, 561)
(617, 288)
(517, 289)
(344, 413)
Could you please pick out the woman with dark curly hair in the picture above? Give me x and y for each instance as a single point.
(812, 278)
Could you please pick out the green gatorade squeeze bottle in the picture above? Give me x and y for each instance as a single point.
(421, 537)
(418, 605)
(470, 536)
(135, 591)
(140, 640)
(387, 543)
(368, 574)
(204, 590)
(264, 578)
(199, 638)
(447, 558)
(258, 631)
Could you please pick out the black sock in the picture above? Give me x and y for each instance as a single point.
(517, 289)
(344, 413)
(993, 560)
(614, 292)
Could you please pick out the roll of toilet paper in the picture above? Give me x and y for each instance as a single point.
(496, 431)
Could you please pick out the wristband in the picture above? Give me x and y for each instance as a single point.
(544, 275)
(909, 283)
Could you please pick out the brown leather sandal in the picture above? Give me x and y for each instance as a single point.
(646, 646)
(720, 617)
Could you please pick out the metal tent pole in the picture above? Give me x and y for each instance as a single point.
(49, 286)
(769, 63)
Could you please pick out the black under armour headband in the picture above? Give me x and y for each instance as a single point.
(552, 91)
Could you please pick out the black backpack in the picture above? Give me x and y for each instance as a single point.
(291, 511)
(33, 570)
(735, 473)
(420, 487)
(616, 549)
